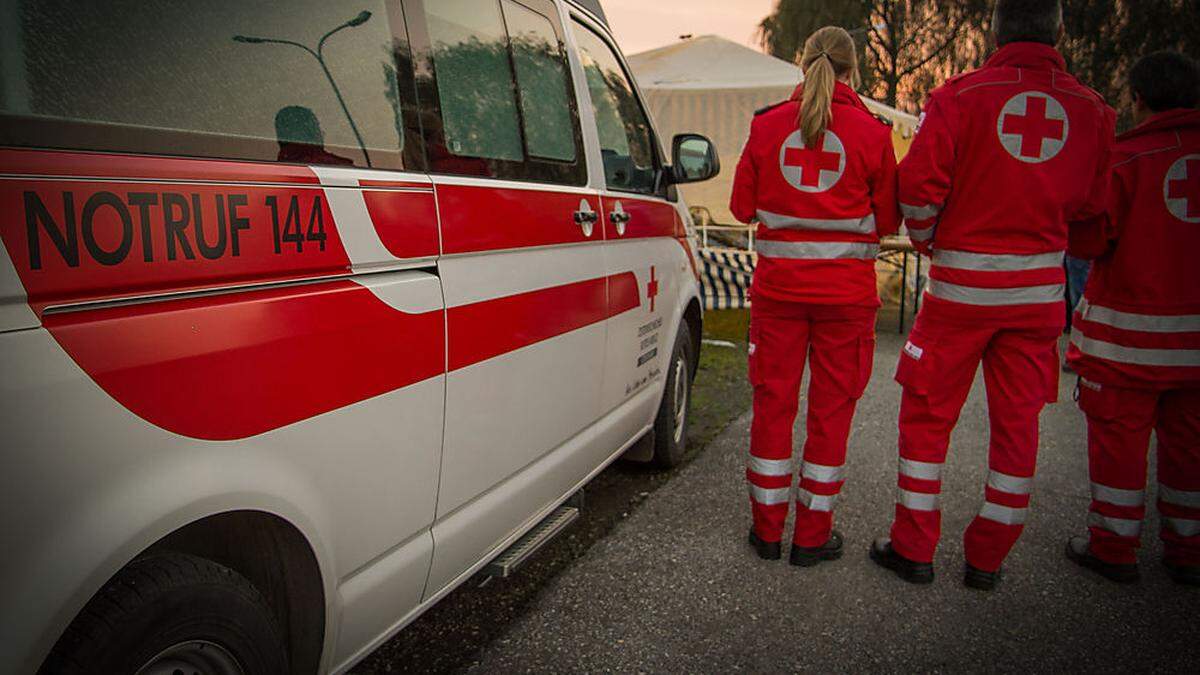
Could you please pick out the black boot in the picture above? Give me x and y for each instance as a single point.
(913, 572)
(1081, 554)
(807, 556)
(1184, 575)
(980, 580)
(767, 550)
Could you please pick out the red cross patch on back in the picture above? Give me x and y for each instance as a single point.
(810, 169)
(1181, 189)
(1033, 127)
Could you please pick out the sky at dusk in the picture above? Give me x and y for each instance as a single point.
(639, 25)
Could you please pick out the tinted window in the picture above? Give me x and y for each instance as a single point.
(543, 83)
(309, 81)
(625, 138)
(474, 79)
(495, 90)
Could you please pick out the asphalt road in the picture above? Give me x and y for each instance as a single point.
(675, 588)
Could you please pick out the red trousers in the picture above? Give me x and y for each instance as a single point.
(1119, 425)
(839, 342)
(937, 367)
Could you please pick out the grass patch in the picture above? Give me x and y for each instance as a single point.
(721, 392)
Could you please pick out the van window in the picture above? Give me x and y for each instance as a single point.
(495, 90)
(474, 79)
(309, 81)
(626, 141)
(543, 83)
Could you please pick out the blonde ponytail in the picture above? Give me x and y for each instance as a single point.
(828, 54)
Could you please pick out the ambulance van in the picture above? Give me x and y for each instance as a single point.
(311, 311)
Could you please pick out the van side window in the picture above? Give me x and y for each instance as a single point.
(495, 90)
(309, 82)
(626, 141)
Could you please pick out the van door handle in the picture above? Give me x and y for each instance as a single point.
(619, 217)
(586, 217)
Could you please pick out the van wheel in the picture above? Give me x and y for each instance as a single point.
(671, 424)
(173, 613)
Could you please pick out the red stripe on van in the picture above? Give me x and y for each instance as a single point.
(405, 221)
(233, 366)
(485, 330)
(94, 240)
(490, 219)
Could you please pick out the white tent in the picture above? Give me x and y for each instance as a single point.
(712, 86)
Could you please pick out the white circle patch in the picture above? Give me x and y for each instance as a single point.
(812, 170)
(1033, 127)
(1181, 189)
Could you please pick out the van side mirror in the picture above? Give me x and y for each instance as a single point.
(693, 159)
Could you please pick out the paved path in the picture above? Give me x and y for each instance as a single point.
(676, 589)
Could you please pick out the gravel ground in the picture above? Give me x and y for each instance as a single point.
(675, 588)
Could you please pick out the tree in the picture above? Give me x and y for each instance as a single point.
(911, 46)
(905, 44)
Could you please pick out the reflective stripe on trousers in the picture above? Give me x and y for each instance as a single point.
(1122, 527)
(770, 467)
(1118, 496)
(861, 225)
(823, 474)
(770, 496)
(1138, 356)
(816, 250)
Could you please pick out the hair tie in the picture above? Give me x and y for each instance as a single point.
(825, 54)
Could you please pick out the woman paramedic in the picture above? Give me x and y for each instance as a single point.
(818, 175)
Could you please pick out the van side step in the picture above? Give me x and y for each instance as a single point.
(541, 534)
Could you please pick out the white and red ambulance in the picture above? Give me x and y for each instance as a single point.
(309, 311)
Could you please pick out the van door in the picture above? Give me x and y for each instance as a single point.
(647, 264)
(523, 264)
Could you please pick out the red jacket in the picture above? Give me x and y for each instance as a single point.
(1139, 322)
(1005, 156)
(820, 214)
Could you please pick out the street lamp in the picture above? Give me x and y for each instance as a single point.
(317, 54)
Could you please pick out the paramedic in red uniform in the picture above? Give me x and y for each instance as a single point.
(1006, 156)
(819, 176)
(1136, 342)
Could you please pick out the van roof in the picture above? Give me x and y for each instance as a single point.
(594, 7)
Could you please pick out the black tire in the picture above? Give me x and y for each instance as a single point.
(172, 613)
(674, 413)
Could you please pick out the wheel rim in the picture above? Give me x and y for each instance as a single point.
(681, 397)
(194, 657)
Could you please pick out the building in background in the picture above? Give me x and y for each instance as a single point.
(711, 85)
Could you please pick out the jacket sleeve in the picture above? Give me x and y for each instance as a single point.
(1092, 225)
(927, 171)
(743, 201)
(1092, 236)
(884, 202)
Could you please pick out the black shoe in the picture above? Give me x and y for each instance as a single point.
(767, 550)
(1184, 575)
(913, 572)
(1079, 553)
(807, 556)
(980, 580)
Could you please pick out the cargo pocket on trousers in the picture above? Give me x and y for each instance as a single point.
(752, 357)
(915, 371)
(1051, 371)
(866, 362)
(1097, 403)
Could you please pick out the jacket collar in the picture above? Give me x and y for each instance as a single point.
(1168, 120)
(1033, 55)
(842, 94)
